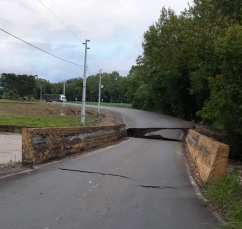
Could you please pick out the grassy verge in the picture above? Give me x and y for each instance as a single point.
(226, 197)
(41, 114)
(127, 105)
(42, 121)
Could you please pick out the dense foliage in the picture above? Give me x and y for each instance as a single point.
(191, 67)
(23, 86)
(18, 85)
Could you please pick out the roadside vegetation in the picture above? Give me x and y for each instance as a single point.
(42, 114)
(14, 86)
(191, 67)
(127, 105)
(226, 198)
(21, 89)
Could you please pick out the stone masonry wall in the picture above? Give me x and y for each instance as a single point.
(210, 156)
(8, 128)
(43, 144)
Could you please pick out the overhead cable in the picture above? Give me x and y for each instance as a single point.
(68, 18)
(31, 36)
(59, 20)
(41, 49)
(92, 56)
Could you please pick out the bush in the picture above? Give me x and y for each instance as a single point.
(31, 98)
(227, 197)
(6, 95)
(234, 135)
(10, 95)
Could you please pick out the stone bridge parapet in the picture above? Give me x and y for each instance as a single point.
(43, 144)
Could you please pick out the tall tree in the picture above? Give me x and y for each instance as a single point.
(191, 66)
(22, 85)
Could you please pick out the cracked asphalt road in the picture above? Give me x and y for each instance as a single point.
(137, 183)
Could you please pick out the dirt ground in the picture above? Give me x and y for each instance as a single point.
(42, 108)
(109, 118)
(217, 135)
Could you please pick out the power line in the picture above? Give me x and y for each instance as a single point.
(93, 58)
(40, 49)
(68, 18)
(58, 19)
(31, 36)
(89, 72)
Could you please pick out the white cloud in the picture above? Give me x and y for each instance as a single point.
(115, 28)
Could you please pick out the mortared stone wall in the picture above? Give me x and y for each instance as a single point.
(210, 156)
(43, 144)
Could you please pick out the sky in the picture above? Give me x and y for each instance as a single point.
(115, 29)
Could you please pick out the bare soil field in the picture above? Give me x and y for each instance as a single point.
(37, 108)
(42, 114)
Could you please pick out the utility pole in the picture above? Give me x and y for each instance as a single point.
(64, 93)
(84, 85)
(40, 89)
(99, 94)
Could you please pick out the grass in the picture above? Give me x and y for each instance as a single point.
(42, 114)
(12, 164)
(127, 105)
(14, 101)
(40, 121)
(226, 197)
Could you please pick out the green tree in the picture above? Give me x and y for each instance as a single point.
(114, 90)
(191, 67)
(74, 89)
(22, 85)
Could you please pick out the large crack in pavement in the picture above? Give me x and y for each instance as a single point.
(105, 174)
(116, 175)
(158, 187)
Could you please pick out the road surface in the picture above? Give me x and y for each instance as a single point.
(135, 184)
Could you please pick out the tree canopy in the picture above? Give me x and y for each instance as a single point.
(191, 66)
(115, 87)
(22, 85)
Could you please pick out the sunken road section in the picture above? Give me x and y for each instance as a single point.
(166, 134)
